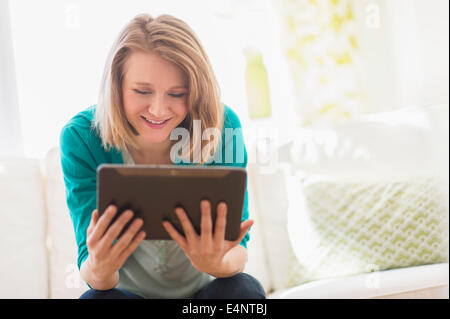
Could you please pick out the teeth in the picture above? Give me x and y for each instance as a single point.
(154, 122)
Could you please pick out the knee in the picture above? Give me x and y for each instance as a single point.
(250, 286)
(103, 294)
(241, 286)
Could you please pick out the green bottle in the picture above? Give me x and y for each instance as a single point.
(257, 83)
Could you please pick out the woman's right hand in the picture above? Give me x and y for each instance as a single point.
(105, 259)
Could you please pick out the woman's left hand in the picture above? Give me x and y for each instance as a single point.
(207, 250)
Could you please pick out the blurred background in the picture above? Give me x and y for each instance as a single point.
(351, 198)
(281, 63)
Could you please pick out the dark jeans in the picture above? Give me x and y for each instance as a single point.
(240, 286)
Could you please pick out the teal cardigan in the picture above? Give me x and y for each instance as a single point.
(82, 152)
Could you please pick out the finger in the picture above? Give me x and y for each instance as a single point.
(115, 229)
(245, 226)
(137, 240)
(221, 223)
(179, 239)
(206, 223)
(189, 231)
(103, 223)
(127, 237)
(93, 222)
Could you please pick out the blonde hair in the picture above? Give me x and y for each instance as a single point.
(173, 40)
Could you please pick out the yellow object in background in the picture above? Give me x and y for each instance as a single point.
(320, 39)
(257, 84)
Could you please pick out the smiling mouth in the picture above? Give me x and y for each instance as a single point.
(155, 122)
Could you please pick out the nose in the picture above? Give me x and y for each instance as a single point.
(157, 107)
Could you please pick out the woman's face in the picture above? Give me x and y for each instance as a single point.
(154, 95)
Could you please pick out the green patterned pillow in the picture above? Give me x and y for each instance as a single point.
(344, 228)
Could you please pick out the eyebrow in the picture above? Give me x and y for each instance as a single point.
(173, 87)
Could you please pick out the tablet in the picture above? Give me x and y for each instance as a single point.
(153, 192)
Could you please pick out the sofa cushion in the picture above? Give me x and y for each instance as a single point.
(65, 279)
(430, 281)
(257, 264)
(271, 204)
(23, 269)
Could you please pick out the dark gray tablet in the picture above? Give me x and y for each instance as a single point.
(152, 192)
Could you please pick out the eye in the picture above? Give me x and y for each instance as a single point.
(142, 92)
(177, 95)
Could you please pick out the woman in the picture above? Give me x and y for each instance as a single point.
(157, 79)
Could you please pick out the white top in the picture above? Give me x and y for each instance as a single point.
(160, 268)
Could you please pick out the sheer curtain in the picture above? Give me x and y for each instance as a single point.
(10, 133)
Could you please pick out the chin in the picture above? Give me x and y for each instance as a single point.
(156, 138)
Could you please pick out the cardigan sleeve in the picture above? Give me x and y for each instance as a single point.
(79, 170)
(234, 153)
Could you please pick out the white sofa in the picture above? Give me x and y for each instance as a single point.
(39, 251)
